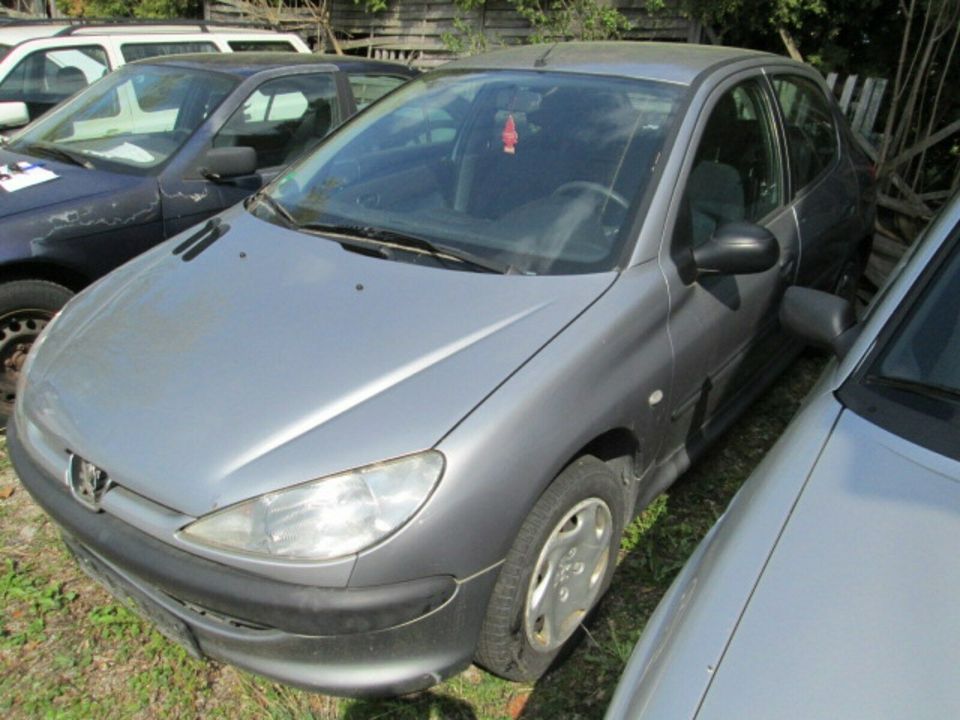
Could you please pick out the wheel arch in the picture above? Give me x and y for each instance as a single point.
(44, 270)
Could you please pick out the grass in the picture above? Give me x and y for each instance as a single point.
(68, 650)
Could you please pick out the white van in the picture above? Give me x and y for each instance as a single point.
(42, 64)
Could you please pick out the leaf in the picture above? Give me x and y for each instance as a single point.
(6, 491)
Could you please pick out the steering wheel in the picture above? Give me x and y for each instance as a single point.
(594, 187)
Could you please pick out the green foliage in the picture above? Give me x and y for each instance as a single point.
(27, 600)
(140, 9)
(550, 20)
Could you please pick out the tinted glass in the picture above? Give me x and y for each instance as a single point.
(810, 128)
(133, 119)
(540, 171)
(140, 51)
(367, 88)
(926, 347)
(283, 118)
(261, 46)
(736, 170)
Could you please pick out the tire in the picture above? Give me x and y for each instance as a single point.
(26, 306)
(543, 592)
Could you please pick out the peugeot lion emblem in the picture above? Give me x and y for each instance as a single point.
(88, 483)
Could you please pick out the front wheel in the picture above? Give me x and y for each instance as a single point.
(26, 306)
(558, 568)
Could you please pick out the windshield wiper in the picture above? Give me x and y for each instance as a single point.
(278, 209)
(412, 242)
(59, 153)
(917, 387)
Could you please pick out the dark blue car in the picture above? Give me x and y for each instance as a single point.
(143, 154)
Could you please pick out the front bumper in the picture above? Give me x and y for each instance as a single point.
(382, 640)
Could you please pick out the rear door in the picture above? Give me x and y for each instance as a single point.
(823, 183)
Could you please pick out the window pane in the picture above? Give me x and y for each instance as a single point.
(140, 51)
(261, 46)
(133, 119)
(283, 118)
(736, 170)
(53, 75)
(811, 132)
(367, 88)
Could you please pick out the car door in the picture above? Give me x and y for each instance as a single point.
(724, 327)
(823, 183)
(279, 118)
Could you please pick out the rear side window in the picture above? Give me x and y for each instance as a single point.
(810, 129)
(140, 51)
(367, 88)
(283, 118)
(261, 46)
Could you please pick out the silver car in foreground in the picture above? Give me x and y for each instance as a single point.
(827, 590)
(391, 415)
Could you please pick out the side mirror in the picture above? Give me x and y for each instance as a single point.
(820, 319)
(223, 163)
(737, 248)
(13, 114)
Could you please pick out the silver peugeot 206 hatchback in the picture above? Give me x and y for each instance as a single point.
(391, 414)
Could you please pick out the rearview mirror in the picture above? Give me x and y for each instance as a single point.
(820, 319)
(13, 114)
(737, 248)
(223, 163)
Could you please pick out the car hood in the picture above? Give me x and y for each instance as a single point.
(73, 185)
(274, 357)
(851, 616)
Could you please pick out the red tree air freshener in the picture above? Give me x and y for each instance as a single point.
(510, 136)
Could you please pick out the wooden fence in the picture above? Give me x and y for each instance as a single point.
(414, 31)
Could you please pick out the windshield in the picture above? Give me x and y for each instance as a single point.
(539, 172)
(924, 351)
(131, 120)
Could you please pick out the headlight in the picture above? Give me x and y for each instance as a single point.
(326, 518)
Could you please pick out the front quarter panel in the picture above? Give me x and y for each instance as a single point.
(596, 375)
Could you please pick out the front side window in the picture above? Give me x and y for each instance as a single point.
(141, 51)
(810, 129)
(735, 175)
(539, 172)
(132, 120)
(283, 118)
(45, 77)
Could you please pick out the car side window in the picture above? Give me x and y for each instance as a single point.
(283, 118)
(735, 175)
(261, 46)
(810, 129)
(367, 88)
(141, 51)
(49, 76)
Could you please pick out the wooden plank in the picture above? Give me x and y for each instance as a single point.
(847, 93)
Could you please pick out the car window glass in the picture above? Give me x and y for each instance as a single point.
(538, 170)
(283, 118)
(810, 128)
(735, 175)
(261, 46)
(140, 51)
(45, 77)
(134, 118)
(367, 88)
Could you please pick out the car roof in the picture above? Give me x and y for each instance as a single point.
(15, 32)
(245, 64)
(678, 63)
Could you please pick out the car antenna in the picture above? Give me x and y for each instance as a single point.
(542, 60)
